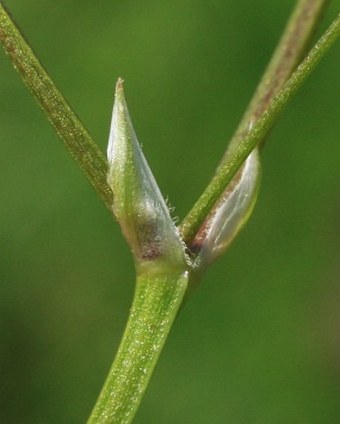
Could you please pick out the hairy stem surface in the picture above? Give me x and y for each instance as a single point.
(155, 306)
(65, 121)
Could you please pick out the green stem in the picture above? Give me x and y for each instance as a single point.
(66, 123)
(159, 295)
(155, 306)
(77, 139)
(292, 45)
(229, 168)
(286, 56)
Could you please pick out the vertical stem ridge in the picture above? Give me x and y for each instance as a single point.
(155, 306)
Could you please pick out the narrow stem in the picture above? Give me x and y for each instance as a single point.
(66, 123)
(77, 139)
(155, 306)
(291, 46)
(228, 169)
(287, 54)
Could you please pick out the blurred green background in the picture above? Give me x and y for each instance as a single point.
(260, 340)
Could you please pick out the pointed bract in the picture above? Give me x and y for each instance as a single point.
(230, 213)
(138, 203)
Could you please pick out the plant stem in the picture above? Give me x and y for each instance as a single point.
(155, 306)
(229, 168)
(66, 123)
(77, 139)
(159, 292)
(287, 55)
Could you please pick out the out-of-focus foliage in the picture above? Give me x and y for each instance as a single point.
(260, 340)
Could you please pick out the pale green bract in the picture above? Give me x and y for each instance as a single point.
(230, 213)
(137, 201)
(142, 211)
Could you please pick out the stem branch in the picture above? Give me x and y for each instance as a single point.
(64, 120)
(287, 55)
(229, 168)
